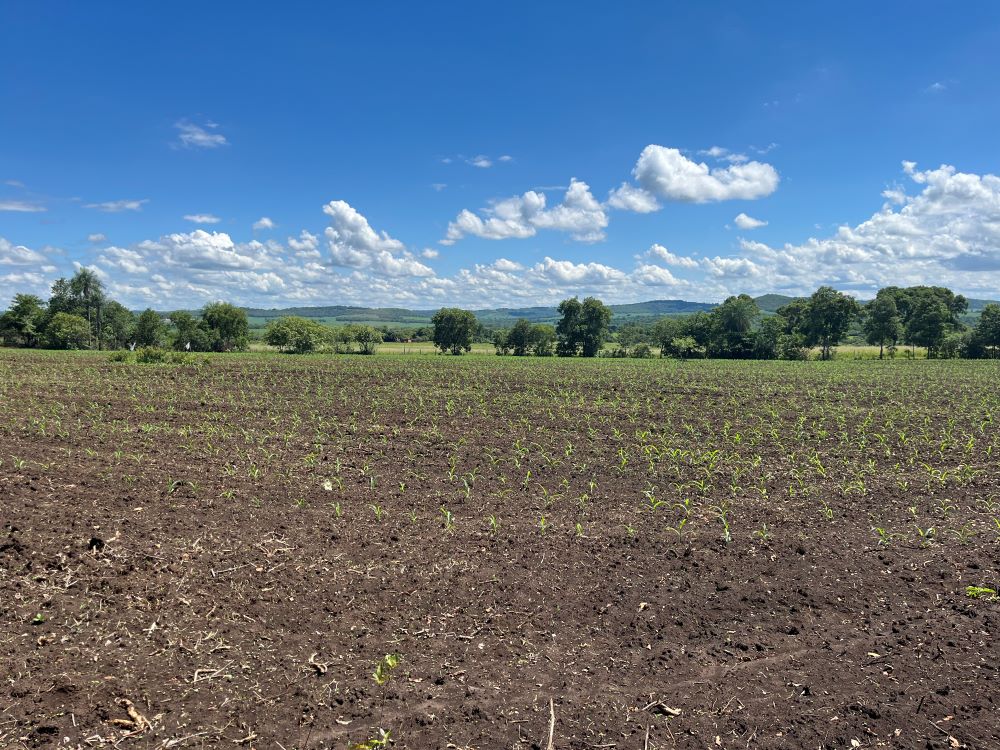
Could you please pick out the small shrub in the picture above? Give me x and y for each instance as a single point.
(151, 355)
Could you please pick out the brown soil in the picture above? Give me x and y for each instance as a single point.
(173, 572)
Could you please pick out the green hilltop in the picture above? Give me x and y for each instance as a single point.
(503, 317)
(497, 318)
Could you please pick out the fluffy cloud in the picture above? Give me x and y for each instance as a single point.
(748, 222)
(305, 245)
(507, 266)
(948, 233)
(263, 223)
(114, 207)
(659, 252)
(96, 237)
(129, 261)
(202, 218)
(27, 282)
(354, 244)
(631, 198)
(653, 275)
(946, 230)
(187, 269)
(579, 214)
(667, 173)
(564, 272)
(24, 270)
(18, 255)
(206, 250)
(191, 135)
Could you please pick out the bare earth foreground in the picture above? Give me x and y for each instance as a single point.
(219, 554)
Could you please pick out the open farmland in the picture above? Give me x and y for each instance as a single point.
(624, 554)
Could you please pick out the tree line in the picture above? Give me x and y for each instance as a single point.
(299, 335)
(918, 316)
(80, 315)
(582, 330)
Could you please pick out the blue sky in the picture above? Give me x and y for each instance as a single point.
(449, 153)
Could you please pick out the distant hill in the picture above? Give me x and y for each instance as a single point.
(497, 318)
(503, 317)
(769, 303)
(976, 305)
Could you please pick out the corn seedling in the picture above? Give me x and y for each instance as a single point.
(763, 534)
(721, 513)
(448, 519)
(980, 592)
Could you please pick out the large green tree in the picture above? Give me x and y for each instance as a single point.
(149, 329)
(988, 328)
(520, 338)
(827, 317)
(82, 295)
(583, 327)
(567, 336)
(594, 323)
(22, 323)
(87, 291)
(928, 324)
(117, 325)
(665, 330)
(454, 329)
(227, 326)
(367, 338)
(882, 323)
(298, 335)
(732, 326)
(188, 333)
(67, 331)
(543, 339)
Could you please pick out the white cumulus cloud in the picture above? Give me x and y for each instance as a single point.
(18, 255)
(305, 245)
(631, 198)
(948, 234)
(942, 227)
(748, 222)
(354, 244)
(667, 173)
(580, 214)
(659, 252)
(263, 223)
